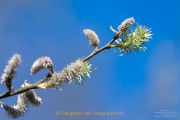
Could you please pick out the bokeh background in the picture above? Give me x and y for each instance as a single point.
(139, 85)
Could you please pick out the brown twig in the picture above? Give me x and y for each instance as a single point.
(24, 89)
(34, 86)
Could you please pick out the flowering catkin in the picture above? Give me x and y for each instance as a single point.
(125, 25)
(66, 75)
(31, 96)
(92, 37)
(74, 71)
(42, 63)
(10, 71)
(18, 110)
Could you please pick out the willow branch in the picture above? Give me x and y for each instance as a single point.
(107, 46)
(34, 86)
(24, 89)
(96, 52)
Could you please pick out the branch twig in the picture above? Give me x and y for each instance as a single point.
(24, 89)
(107, 46)
(34, 86)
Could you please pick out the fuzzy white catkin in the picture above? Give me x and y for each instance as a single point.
(67, 74)
(18, 110)
(92, 37)
(31, 96)
(10, 71)
(41, 63)
(126, 24)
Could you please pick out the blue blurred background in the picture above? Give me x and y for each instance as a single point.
(139, 85)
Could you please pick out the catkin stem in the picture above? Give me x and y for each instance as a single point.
(107, 46)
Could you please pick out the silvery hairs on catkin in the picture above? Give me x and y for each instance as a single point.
(10, 71)
(42, 63)
(31, 96)
(125, 25)
(68, 74)
(18, 110)
(92, 37)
